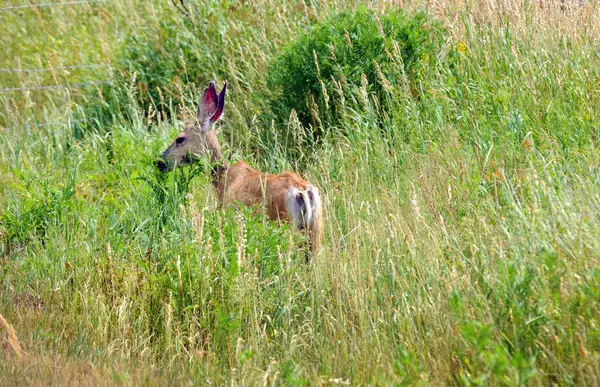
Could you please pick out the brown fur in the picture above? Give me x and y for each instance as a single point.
(248, 186)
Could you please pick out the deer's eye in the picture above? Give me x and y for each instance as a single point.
(180, 140)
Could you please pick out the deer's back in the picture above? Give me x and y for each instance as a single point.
(250, 187)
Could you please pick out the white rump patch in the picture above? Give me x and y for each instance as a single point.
(302, 206)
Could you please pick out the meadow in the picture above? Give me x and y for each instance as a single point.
(455, 144)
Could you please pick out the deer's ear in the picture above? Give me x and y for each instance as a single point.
(220, 104)
(207, 107)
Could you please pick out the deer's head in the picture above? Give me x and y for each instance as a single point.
(199, 137)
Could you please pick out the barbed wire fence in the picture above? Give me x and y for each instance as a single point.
(53, 4)
(76, 85)
(74, 67)
(65, 86)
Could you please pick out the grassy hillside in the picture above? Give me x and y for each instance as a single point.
(461, 200)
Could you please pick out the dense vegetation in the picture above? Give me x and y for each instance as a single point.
(460, 181)
(315, 72)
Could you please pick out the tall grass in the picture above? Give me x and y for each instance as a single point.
(461, 231)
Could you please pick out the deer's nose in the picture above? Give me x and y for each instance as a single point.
(161, 165)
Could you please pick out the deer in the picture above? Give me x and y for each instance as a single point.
(285, 197)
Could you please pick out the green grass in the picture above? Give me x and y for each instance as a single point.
(461, 228)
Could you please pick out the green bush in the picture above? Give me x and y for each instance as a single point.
(32, 216)
(322, 64)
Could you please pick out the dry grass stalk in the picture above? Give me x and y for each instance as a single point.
(11, 338)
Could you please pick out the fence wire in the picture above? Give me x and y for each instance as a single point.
(59, 68)
(55, 4)
(47, 87)
(43, 124)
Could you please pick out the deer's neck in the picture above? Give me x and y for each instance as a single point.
(219, 164)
